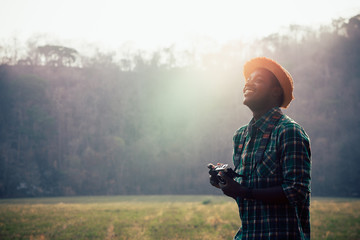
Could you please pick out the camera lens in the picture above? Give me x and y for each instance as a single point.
(221, 180)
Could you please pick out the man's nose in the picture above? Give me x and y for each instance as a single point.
(249, 83)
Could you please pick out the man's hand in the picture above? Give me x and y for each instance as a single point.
(214, 182)
(232, 188)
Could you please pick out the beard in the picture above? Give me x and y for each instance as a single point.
(258, 103)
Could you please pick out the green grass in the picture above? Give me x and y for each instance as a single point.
(155, 217)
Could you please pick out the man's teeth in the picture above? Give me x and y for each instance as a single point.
(249, 91)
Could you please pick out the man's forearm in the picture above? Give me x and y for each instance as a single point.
(268, 195)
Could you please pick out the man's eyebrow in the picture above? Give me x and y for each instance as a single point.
(257, 75)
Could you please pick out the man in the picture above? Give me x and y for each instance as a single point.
(272, 155)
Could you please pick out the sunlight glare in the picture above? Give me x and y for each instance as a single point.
(159, 23)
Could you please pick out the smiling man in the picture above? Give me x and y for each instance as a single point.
(272, 155)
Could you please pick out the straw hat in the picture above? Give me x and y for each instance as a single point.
(281, 74)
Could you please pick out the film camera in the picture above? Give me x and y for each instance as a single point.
(215, 173)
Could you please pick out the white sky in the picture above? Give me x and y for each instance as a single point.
(154, 23)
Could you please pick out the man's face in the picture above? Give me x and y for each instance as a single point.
(258, 90)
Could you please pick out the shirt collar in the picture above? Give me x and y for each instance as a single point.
(263, 122)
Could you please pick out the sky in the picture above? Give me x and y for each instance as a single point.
(150, 24)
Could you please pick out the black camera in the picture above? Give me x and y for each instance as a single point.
(216, 169)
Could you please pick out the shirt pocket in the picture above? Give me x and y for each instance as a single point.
(269, 165)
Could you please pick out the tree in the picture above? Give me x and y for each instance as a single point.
(52, 55)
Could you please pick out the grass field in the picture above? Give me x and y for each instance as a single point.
(155, 217)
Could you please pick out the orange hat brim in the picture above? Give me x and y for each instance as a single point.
(281, 74)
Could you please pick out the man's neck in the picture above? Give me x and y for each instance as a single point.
(258, 113)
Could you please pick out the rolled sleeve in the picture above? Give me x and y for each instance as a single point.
(296, 163)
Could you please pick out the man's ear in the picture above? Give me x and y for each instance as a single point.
(277, 92)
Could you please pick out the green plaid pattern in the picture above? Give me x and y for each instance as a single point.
(285, 161)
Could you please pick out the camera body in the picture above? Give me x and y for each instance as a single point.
(215, 170)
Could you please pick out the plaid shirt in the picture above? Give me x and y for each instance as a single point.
(285, 162)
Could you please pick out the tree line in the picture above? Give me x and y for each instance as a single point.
(149, 124)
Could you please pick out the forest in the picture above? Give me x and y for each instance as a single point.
(149, 123)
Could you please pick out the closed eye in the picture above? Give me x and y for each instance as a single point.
(256, 80)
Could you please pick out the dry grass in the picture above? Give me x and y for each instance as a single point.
(155, 217)
(335, 219)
